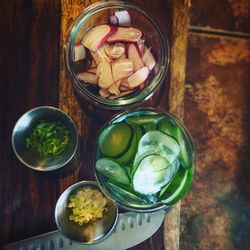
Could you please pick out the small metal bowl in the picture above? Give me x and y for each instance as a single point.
(22, 129)
(90, 232)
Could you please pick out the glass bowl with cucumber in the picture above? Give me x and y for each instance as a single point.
(144, 160)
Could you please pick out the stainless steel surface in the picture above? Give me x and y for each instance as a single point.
(27, 122)
(131, 229)
(90, 232)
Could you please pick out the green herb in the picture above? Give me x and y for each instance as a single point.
(48, 138)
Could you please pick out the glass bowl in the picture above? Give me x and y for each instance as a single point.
(148, 120)
(154, 37)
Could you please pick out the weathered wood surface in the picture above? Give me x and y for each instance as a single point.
(180, 20)
(172, 97)
(216, 211)
(33, 74)
(224, 16)
(29, 65)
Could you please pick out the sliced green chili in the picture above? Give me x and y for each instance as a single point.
(48, 138)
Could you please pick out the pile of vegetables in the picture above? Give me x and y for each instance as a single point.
(145, 159)
(120, 60)
(87, 205)
(48, 138)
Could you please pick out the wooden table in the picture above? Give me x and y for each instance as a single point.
(31, 48)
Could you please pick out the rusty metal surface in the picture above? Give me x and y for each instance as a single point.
(231, 15)
(216, 212)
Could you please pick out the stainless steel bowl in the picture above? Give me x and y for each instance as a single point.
(86, 233)
(25, 124)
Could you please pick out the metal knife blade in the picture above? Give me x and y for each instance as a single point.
(131, 229)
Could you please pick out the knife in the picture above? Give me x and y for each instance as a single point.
(131, 229)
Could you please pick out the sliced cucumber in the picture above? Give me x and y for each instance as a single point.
(112, 170)
(115, 139)
(166, 126)
(152, 174)
(142, 120)
(123, 195)
(147, 122)
(128, 169)
(128, 156)
(156, 142)
(137, 160)
(177, 188)
(185, 157)
(150, 126)
(139, 132)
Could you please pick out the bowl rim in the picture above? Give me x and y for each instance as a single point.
(123, 102)
(158, 205)
(72, 188)
(50, 168)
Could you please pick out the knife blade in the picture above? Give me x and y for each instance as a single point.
(131, 229)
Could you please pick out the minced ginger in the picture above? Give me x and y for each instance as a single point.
(87, 205)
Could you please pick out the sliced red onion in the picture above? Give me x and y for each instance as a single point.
(123, 88)
(115, 51)
(100, 55)
(95, 57)
(88, 77)
(93, 64)
(105, 74)
(113, 97)
(121, 61)
(104, 92)
(113, 89)
(124, 85)
(138, 77)
(92, 70)
(134, 56)
(123, 18)
(148, 59)
(97, 36)
(142, 86)
(122, 68)
(79, 53)
(118, 83)
(124, 82)
(125, 34)
(141, 45)
(113, 20)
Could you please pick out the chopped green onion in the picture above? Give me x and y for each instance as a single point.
(48, 138)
